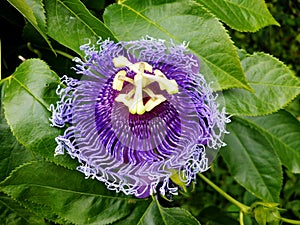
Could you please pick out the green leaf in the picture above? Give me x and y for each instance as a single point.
(12, 153)
(181, 21)
(28, 94)
(53, 190)
(136, 214)
(146, 212)
(153, 213)
(33, 11)
(247, 15)
(274, 84)
(72, 25)
(44, 211)
(68, 194)
(260, 214)
(252, 160)
(266, 213)
(282, 130)
(11, 212)
(156, 214)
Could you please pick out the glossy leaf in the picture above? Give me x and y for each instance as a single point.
(252, 161)
(33, 11)
(153, 213)
(82, 201)
(72, 25)
(181, 21)
(11, 212)
(27, 98)
(136, 214)
(282, 130)
(68, 194)
(12, 153)
(247, 15)
(156, 214)
(274, 84)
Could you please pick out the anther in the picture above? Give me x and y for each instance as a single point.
(143, 77)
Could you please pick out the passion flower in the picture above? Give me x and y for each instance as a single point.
(141, 119)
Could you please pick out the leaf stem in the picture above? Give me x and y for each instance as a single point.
(290, 221)
(241, 218)
(64, 54)
(37, 52)
(244, 208)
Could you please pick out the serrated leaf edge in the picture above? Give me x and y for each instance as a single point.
(21, 205)
(274, 22)
(36, 26)
(286, 67)
(8, 80)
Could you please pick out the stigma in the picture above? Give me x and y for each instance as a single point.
(144, 76)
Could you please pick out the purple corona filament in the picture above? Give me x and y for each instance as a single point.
(141, 119)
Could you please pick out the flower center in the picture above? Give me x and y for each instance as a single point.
(144, 76)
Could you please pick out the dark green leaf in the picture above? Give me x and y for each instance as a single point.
(152, 213)
(82, 201)
(247, 15)
(136, 214)
(68, 194)
(33, 11)
(274, 84)
(72, 25)
(12, 153)
(28, 94)
(181, 21)
(45, 212)
(282, 130)
(11, 212)
(158, 215)
(252, 160)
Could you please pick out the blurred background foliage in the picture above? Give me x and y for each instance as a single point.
(282, 42)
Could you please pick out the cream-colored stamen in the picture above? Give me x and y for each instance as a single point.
(134, 99)
(154, 100)
(118, 82)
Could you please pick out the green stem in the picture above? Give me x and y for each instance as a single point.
(4, 79)
(241, 218)
(64, 54)
(37, 52)
(295, 222)
(244, 208)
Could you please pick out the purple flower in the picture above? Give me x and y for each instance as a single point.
(141, 119)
